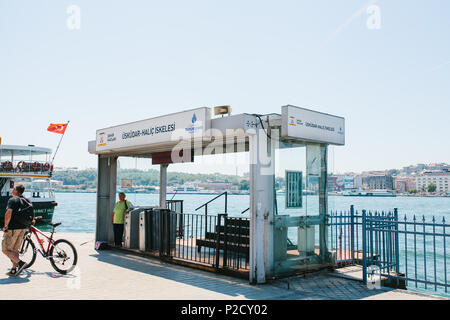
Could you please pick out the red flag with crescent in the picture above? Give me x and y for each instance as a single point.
(57, 127)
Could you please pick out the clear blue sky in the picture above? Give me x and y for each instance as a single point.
(138, 59)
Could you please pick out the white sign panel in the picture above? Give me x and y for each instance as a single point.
(309, 125)
(168, 128)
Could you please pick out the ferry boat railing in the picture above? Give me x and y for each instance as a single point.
(418, 256)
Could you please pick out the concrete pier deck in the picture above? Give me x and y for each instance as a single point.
(111, 274)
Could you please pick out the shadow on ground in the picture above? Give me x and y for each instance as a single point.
(313, 286)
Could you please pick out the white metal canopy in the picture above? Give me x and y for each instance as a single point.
(163, 133)
(10, 150)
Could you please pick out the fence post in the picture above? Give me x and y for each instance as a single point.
(160, 233)
(397, 253)
(364, 249)
(219, 220)
(225, 240)
(352, 231)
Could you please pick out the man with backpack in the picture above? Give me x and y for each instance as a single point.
(19, 212)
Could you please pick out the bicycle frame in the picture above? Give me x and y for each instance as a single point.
(44, 252)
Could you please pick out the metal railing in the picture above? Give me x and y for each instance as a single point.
(408, 251)
(179, 237)
(205, 205)
(381, 243)
(245, 210)
(217, 241)
(345, 238)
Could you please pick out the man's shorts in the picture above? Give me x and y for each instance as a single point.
(12, 239)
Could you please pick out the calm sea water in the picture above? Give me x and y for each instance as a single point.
(76, 211)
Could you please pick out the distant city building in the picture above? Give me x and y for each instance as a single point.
(439, 178)
(416, 169)
(358, 181)
(312, 184)
(341, 182)
(404, 184)
(349, 182)
(378, 181)
(332, 183)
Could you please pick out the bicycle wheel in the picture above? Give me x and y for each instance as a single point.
(63, 256)
(27, 252)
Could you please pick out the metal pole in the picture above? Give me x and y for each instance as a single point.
(352, 231)
(397, 253)
(162, 185)
(57, 148)
(364, 245)
(226, 202)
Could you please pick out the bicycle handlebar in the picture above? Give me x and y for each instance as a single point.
(36, 219)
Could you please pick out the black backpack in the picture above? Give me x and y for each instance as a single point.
(25, 213)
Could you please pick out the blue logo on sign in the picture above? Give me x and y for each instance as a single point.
(194, 127)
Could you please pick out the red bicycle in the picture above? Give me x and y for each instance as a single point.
(61, 253)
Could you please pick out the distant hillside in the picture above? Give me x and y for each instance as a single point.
(88, 178)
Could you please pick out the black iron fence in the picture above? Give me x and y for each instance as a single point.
(216, 241)
(345, 236)
(413, 251)
(406, 251)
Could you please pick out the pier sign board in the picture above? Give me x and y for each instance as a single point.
(126, 183)
(165, 129)
(309, 125)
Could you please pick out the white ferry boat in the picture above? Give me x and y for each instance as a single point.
(185, 190)
(370, 193)
(30, 166)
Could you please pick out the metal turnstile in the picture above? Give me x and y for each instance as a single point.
(145, 239)
(157, 231)
(131, 226)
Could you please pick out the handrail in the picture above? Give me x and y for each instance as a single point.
(245, 210)
(206, 206)
(176, 191)
(206, 203)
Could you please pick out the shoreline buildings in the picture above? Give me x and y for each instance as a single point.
(441, 179)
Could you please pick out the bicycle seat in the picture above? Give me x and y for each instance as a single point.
(54, 225)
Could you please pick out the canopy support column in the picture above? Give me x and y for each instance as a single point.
(163, 185)
(106, 197)
(262, 170)
(323, 202)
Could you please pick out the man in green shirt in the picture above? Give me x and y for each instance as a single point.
(121, 208)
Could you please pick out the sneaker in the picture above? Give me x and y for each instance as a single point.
(20, 267)
(12, 272)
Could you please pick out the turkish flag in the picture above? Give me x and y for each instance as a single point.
(57, 128)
